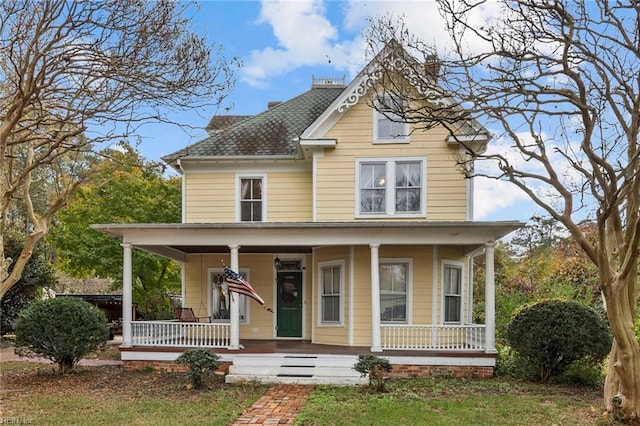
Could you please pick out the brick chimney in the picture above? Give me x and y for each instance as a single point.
(432, 66)
(271, 104)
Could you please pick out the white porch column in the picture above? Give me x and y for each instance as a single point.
(234, 314)
(376, 345)
(490, 299)
(127, 297)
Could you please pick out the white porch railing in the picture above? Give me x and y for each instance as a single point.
(180, 334)
(433, 337)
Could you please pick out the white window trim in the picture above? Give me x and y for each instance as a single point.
(247, 306)
(377, 140)
(321, 266)
(390, 200)
(238, 190)
(455, 264)
(409, 262)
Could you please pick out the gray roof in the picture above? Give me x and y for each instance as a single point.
(270, 133)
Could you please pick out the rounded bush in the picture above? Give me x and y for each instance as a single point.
(552, 334)
(375, 367)
(201, 363)
(62, 329)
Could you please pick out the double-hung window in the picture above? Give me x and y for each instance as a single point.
(394, 291)
(331, 289)
(452, 290)
(220, 299)
(389, 127)
(251, 199)
(390, 187)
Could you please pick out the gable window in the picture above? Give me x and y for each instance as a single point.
(331, 279)
(452, 291)
(391, 187)
(220, 299)
(394, 284)
(388, 126)
(251, 199)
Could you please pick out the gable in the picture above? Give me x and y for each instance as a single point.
(395, 59)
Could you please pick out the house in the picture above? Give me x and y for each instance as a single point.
(356, 229)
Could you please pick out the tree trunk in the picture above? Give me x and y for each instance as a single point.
(622, 384)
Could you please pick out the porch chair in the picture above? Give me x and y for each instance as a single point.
(187, 315)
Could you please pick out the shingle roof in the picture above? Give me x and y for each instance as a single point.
(219, 122)
(270, 133)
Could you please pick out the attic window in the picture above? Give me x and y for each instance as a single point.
(389, 127)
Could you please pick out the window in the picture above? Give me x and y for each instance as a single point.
(388, 126)
(331, 294)
(390, 187)
(251, 199)
(394, 283)
(452, 289)
(221, 299)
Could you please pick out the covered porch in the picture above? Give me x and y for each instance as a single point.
(415, 339)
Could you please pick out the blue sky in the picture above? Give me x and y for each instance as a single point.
(283, 43)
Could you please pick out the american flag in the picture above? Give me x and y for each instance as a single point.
(237, 284)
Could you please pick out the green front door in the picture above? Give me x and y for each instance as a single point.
(289, 304)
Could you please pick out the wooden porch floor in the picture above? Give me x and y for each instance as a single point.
(306, 347)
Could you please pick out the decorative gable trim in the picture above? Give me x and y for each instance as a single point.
(374, 72)
(393, 57)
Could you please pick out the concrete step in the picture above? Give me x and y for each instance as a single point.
(275, 359)
(295, 369)
(314, 380)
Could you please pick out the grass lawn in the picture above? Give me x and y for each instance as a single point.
(36, 394)
(448, 401)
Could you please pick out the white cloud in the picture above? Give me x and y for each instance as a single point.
(305, 37)
(497, 198)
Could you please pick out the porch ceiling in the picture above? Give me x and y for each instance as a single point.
(176, 240)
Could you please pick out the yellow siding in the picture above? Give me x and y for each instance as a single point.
(261, 323)
(330, 335)
(211, 197)
(453, 253)
(421, 292)
(362, 297)
(289, 197)
(262, 276)
(336, 193)
(421, 289)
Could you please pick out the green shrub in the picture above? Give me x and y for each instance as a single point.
(62, 329)
(201, 363)
(375, 367)
(552, 334)
(585, 371)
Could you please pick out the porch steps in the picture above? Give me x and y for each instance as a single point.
(295, 369)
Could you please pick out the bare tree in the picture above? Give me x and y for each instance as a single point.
(558, 85)
(76, 76)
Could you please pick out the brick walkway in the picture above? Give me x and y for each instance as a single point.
(280, 405)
